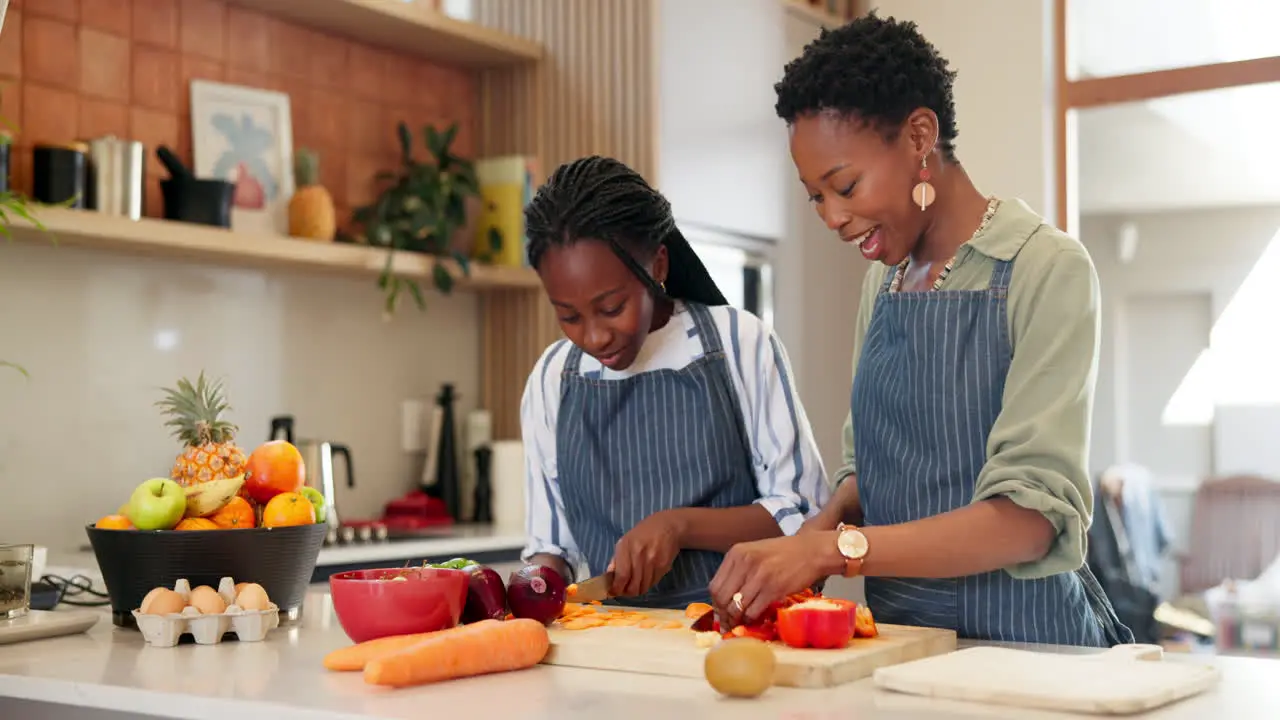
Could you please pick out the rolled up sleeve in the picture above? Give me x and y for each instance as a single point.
(545, 523)
(1038, 448)
(789, 472)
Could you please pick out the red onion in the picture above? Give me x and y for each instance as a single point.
(536, 592)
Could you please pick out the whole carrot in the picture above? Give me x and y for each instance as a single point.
(489, 646)
(355, 657)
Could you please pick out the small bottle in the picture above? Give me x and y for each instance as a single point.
(483, 512)
(447, 453)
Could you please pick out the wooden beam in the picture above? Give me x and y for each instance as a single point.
(1064, 188)
(1092, 92)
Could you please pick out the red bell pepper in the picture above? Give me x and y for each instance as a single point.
(817, 623)
(864, 624)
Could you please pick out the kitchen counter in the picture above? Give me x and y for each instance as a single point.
(110, 673)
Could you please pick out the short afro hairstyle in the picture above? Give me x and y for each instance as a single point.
(876, 70)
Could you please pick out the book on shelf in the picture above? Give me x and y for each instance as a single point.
(506, 187)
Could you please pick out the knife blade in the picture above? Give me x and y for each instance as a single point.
(594, 589)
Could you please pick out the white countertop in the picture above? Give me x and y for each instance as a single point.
(112, 669)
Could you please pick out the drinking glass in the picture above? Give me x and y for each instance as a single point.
(15, 580)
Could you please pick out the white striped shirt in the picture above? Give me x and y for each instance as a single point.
(788, 471)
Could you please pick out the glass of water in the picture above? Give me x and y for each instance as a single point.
(15, 580)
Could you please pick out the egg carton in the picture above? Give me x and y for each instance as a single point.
(248, 625)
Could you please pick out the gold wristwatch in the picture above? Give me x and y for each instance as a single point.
(852, 544)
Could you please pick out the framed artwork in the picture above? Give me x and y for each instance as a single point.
(245, 136)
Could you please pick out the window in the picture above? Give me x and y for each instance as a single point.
(740, 265)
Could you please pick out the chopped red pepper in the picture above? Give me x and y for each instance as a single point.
(864, 624)
(816, 623)
(765, 631)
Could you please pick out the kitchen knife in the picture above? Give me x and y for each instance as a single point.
(595, 589)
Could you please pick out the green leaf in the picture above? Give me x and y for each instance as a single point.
(447, 141)
(406, 142)
(15, 366)
(416, 291)
(464, 262)
(443, 278)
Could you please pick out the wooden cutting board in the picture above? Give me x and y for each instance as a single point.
(1124, 680)
(674, 652)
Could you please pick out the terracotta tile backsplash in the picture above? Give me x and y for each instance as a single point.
(110, 329)
(80, 68)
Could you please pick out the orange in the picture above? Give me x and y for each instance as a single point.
(237, 514)
(274, 467)
(114, 522)
(288, 509)
(195, 524)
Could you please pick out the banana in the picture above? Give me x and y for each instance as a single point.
(208, 498)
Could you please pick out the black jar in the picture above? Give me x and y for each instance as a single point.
(60, 174)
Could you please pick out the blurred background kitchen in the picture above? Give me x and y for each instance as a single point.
(1153, 149)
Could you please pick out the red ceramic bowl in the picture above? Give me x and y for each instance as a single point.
(370, 604)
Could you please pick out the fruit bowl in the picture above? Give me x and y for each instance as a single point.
(397, 601)
(133, 562)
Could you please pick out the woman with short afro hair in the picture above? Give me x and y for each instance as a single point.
(964, 497)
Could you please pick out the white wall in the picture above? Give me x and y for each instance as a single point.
(99, 333)
(1001, 50)
(1207, 254)
(722, 156)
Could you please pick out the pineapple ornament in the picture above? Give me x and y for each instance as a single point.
(311, 213)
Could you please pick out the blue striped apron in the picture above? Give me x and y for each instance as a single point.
(925, 396)
(630, 447)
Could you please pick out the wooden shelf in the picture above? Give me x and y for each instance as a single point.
(202, 243)
(406, 27)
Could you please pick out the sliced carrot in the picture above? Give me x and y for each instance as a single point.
(357, 656)
(647, 624)
(488, 646)
(672, 625)
(696, 610)
(571, 590)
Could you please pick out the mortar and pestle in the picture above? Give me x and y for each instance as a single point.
(191, 199)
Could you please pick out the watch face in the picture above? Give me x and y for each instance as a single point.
(852, 544)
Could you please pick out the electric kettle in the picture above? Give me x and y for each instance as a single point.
(318, 456)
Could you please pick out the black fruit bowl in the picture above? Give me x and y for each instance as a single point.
(133, 562)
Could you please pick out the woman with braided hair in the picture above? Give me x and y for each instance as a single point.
(964, 496)
(666, 427)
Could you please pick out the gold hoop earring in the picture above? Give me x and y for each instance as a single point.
(923, 194)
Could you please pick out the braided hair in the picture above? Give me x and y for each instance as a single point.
(599, 198)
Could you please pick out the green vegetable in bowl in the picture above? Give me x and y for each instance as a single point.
(455, 564)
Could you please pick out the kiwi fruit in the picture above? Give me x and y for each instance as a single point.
(740, 667)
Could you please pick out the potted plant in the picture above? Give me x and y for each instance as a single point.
(422, 207)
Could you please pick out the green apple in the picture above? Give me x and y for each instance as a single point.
(317, 499)
(157, 504)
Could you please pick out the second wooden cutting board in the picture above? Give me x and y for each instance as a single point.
(674, 652)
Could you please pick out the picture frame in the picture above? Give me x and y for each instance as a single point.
(245, 135)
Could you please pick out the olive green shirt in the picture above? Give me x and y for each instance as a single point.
(1037, 452)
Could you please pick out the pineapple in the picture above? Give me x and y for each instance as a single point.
(195, 414)
(311, 213)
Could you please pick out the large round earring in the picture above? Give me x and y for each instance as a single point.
(923, 193)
